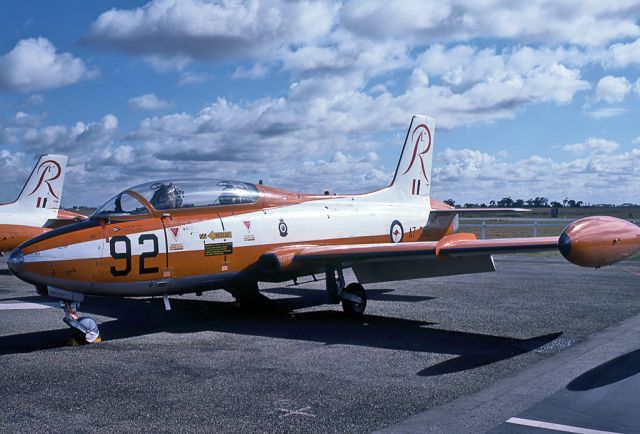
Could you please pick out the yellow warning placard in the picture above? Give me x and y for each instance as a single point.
(218, 249)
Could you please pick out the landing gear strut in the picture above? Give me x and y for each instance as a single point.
(352, 296)
(85, 329)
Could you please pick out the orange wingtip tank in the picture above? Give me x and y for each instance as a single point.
(599, 241)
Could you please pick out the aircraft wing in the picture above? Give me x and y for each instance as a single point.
(454, 254)
(454, 245)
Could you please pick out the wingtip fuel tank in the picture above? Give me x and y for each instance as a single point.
(598, 241)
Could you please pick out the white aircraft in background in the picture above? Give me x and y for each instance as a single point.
(37, 208)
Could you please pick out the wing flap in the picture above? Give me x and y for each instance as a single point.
(382, 271)
(500, 245)
(366, 252)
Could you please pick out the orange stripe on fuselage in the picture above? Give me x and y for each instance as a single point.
(181, 263)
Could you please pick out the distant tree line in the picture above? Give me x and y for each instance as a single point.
(538, 202)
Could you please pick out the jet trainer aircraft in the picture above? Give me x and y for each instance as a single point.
(37, 208)
(181, 236)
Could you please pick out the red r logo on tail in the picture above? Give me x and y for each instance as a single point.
(44, 170)
(418, 134)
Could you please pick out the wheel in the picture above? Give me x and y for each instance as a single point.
(354, 308)
(91, 336)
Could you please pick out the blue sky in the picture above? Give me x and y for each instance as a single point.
(529, 99)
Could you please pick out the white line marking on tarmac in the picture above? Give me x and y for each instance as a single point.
(26, 306)
(632, 272)
(556, 426)
(300, 412)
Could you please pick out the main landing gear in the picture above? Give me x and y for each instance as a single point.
(352, 296)
(85, 330)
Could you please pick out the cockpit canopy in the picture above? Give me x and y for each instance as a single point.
(178, 194)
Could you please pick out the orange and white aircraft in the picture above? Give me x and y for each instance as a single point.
(181, 236)
(37, 208)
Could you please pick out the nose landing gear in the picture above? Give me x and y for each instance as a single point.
(85, 329)
(352, 296)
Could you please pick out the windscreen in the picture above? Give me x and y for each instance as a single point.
(122, 204)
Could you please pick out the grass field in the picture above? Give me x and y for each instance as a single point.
(510, 232)
(628, 213)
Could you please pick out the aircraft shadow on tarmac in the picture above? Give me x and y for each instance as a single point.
(312, 297)
(275, 318)
(610, 372)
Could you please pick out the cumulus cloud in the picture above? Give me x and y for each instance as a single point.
(418, 79)
(206, 30)
(163, 30)
(324, 114)
(592, 145)
(621, 55)
(542, 21)
(536, 74)
(148, 101)
(380, 19)
(23, 119)
(14, 170)
(79, 138)
(612, 89)
(34, 64)
(11, 129)
(473, 176)
(464, 164)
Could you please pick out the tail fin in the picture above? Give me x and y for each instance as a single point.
(412, 180)
(43, 189)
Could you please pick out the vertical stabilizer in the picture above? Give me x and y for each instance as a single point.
(412, 180)
(43, 189)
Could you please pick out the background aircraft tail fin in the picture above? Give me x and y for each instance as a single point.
(43, 189)
(412, 180)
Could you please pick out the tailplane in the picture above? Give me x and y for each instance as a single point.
(412, 180)
(43, 189)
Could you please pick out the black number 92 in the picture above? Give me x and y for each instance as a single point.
(126, 255)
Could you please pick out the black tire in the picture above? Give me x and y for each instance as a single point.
(351, 308)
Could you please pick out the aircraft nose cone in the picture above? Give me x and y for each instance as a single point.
(564, 245)
(16, 262)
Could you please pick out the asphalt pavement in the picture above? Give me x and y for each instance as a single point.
(296, 364)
